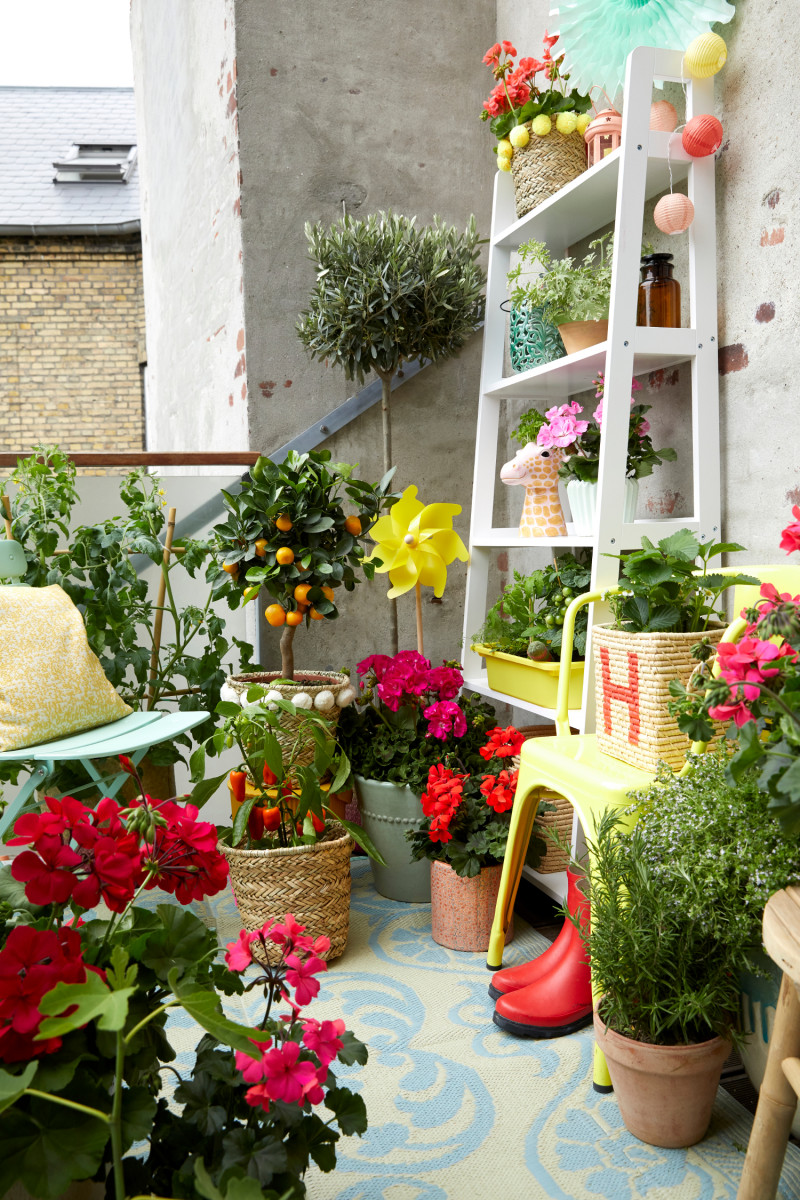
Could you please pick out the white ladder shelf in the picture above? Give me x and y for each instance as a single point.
(617, 189)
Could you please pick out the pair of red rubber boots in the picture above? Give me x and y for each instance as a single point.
(552, 995)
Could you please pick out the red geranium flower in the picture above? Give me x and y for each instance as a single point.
(502, 743)
(32, 962)
(183, 857)
(499, 791)
(790, 538)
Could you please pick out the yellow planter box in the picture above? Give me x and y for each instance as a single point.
(536, 682)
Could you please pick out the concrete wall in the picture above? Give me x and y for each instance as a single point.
(185, 76)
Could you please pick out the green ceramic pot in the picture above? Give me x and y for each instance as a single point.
(533, 340)
(388, 810)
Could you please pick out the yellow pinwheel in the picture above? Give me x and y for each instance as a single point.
(416, 543)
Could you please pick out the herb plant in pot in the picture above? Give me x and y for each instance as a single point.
(575, 296)
(408, 718)
(521, 636)
(668, 619)
(463, 835)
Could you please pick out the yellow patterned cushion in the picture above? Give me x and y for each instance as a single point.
(51, 683)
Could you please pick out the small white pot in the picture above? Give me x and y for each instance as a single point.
(583, 503)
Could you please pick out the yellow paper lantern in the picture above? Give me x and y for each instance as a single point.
(705, 56)
(673, 213)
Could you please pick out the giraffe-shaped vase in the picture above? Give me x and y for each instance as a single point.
(536, 469)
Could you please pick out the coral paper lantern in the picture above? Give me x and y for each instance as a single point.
(663, 116)
(705, 56)
(702, 135)
(674, 213)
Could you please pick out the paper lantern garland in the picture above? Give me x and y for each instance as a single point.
(705, 56)
(663, 116)
(702, 135)
(673, 213)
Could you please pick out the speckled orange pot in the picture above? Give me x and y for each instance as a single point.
(462, 910)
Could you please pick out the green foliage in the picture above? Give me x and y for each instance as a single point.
(96, 571)
(665, 591)
(566, 290)
(388, 292)
(533, 607)
(528, 426)
(549, 104)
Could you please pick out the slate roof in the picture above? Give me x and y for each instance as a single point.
(37, 126)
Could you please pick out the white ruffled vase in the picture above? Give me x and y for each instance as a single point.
(583, 503)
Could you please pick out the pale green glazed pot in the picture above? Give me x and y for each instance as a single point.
(388, 810)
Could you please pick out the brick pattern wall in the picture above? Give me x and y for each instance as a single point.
(72, 343)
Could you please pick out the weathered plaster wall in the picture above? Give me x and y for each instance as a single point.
(185, 77)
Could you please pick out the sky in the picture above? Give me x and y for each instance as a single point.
(68, 43)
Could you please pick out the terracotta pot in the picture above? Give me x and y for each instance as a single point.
(665, 1093)
(462, 910)
(578, 335)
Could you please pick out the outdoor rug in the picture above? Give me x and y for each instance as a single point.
(460, 1111)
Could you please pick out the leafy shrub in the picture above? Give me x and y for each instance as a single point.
(532, 609)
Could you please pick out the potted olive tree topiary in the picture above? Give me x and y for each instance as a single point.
(388, 292)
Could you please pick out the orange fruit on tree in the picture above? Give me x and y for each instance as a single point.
(301, 593)
(284, 556)
(231, 568)
(250, 593)
(283, 523)
(275, 614)
(353, 525)
(327, 592)
(261, 547)
(295, 617)
(316, 616)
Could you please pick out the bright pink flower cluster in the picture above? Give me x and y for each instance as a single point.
(182, 858)
(745, 666)
(445, 718)
(409, 680)
(300, 955)
(563, 428)
(502, 743)
(499, 790)
(440, 800)
(790, 538)
(32, 962)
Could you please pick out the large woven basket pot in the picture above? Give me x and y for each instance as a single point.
(291, 727)
(311, 882)
(632, 677)
(533, 340)
(541, 168)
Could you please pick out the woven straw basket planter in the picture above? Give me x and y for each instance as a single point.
(541, 168)
(311, 882)
(632, 677)
(290, 727)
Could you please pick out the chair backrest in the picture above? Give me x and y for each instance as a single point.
(784, 576)
(13, 564)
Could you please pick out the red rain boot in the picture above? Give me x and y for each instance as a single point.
(558, 1002)
(524, 974)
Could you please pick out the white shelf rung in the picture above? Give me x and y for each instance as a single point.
(508, 538)
(630, 535)
(553, 884)
(478, 684)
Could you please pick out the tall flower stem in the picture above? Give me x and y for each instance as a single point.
(116, 1120)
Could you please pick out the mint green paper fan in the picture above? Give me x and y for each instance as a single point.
(598, 35)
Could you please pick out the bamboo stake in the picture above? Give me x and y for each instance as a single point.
(418, 590)
(7, 518)
(386, 425)
(162, 592)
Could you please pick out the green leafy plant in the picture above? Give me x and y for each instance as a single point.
(531, 611)
(665, 591)
(528, 426)
(287, 531)
(567, 290)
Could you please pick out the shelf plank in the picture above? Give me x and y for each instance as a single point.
(630, 535)
(510, 537)
(478, 684)
(553, 884)
(655, 349)
(589, 202)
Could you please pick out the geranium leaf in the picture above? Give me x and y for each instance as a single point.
(45, 1152)
(92, 1000)
(204, 1007)
(353, 1050)
(12, 1086)
(349, 1109)
(138, 1111)
(180, 942)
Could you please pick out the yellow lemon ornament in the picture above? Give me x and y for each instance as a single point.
(566, 123)
(519, 137)
(583, 122)
(705, 56)
(541, 125)
(503, 164)
(504, 148)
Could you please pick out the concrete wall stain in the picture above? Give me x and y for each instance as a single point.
(267, 387)
(765, 312)
(663, 378)
(774, 237)
(732, 358)
(771, 198)
(664, 505)
(793, 495)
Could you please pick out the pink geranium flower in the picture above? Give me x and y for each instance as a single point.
(750, 662)
(563, 428)
(790, 538)
(300, 976)
(323, 1038)
(739, 713)
(238, 955)
(285, 1077)
(445, 718)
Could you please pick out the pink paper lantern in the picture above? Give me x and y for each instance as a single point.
(663, 116)
(702, 135)
(674, 213)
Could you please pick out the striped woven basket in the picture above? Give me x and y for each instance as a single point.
(311, 882)
(553, 859)
(541, 168)
(291, 727)
(632, 677)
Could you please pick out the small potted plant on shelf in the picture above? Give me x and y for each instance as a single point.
(285, 844)
(539, 126)
(521, 637)
(668, 618)
(573, 296)
(463, 836)
(409, 717)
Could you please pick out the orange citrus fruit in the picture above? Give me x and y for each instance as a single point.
(275, 614)
(301, 593)
(316, 616)
(294, 618)
(284, 556)
(327, 592)
(231, 568)
(261, 547)
(250, 593)
(283, 523)
(353, 525)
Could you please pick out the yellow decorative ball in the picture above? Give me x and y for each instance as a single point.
(705, 55)
(503, 164)
(504, 148)
(566, 123)
(541, 125)
(583, 122)
(519, 137)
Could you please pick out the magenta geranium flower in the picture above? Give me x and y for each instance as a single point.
(323, 1038)
(300, 976)
(563, 428)
(238, 955)
(790, 538)
(375, 662)
(445, 718)
(750, 662)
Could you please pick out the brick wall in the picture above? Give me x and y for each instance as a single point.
(71, 343)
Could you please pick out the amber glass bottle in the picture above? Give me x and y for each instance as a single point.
(659, 294)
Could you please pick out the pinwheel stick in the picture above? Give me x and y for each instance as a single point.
(418, 591)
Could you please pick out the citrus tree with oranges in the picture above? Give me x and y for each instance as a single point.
(297, 530)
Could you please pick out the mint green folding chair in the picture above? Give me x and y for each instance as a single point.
(132, 735)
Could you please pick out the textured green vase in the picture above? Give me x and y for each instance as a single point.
(533, 339)
(388, 810)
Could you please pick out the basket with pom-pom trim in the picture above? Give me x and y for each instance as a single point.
(325, 691)
(543, 166)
